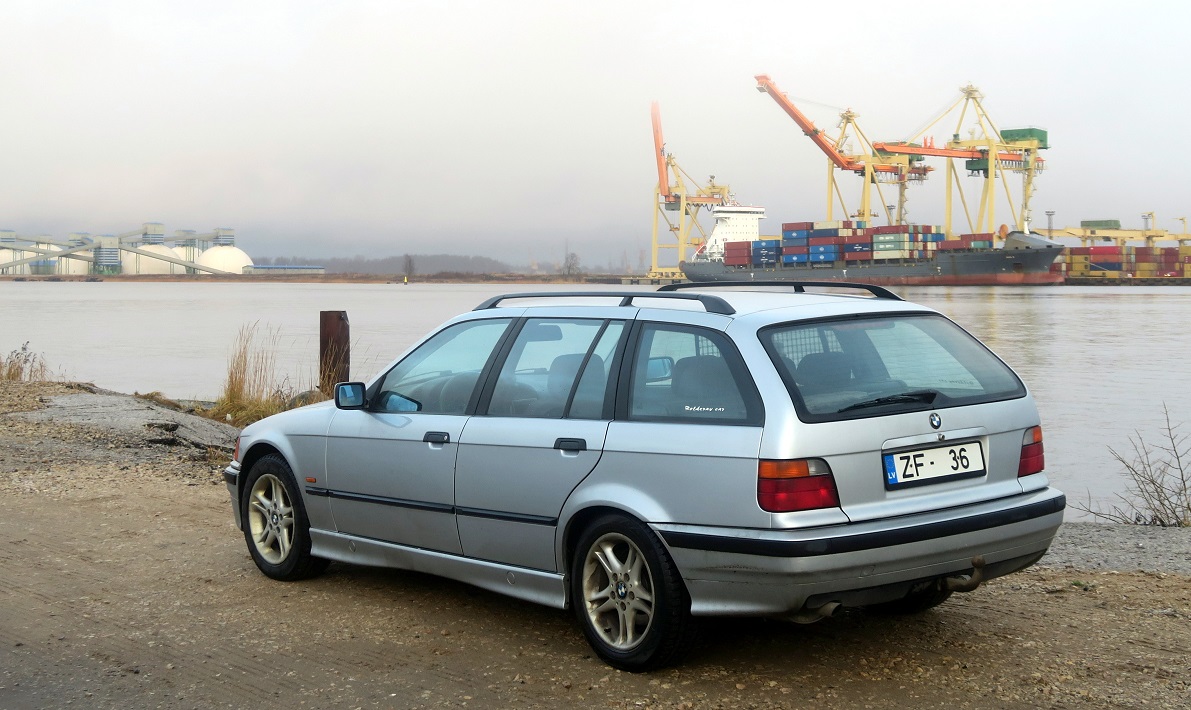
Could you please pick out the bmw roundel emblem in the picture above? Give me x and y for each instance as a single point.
(935, 421)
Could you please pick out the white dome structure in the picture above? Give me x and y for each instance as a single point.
(72, 267)
(225, 258)
(138, 264)
(9, 255)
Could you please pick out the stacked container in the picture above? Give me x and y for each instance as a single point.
(1113, 262)
(738, 253)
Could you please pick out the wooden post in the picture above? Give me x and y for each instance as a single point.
(334, 350)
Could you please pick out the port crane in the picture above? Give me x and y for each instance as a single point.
(988, 153)
(1109, 230)
(874, 167)
(684, 199)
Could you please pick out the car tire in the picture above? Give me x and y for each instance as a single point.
(916, 602)
(628, 596)
(275, 524)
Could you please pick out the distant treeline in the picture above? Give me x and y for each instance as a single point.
(425, 264)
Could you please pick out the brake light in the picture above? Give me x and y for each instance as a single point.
(789, 486)
(1032, 459)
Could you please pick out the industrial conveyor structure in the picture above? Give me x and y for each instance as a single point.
(108, 254)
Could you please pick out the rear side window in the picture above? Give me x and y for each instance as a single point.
(682, 373)
(843, 369)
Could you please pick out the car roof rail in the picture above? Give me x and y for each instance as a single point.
(713, 304)
(798, 286)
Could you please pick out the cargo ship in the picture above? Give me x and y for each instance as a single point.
(850, 250)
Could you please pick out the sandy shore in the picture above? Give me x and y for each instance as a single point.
(123, 584)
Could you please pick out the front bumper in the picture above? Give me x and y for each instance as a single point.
(231, 477)
(763, 572)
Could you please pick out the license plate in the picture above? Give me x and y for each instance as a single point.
(908, 468)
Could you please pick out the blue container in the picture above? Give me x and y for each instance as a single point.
(795, 258)
(795, 242)
(824, 233)
(795, 233)
(832, 249)
(857, 247)
(823, 257)
(932, 237)
(766, 243)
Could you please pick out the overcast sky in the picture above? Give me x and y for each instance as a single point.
(516, 129)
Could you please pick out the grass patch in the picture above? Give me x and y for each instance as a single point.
(1159, 487)
(253, 390)
(24, 365)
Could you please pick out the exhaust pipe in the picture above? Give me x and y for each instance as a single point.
(967, 583)
(807, 615)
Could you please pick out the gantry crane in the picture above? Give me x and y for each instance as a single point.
(677, 197)
(987, 152)
(875, 168)
(1094, 231)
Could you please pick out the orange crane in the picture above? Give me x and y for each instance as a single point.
(874, 167)
(677, 197)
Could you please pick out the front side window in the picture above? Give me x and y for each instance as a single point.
(441, 375)
(842, 369)
(690, 374)
(556, 363)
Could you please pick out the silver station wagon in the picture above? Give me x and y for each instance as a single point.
(647, 457)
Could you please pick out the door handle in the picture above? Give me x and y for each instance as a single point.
(437, 437)
(572, 445)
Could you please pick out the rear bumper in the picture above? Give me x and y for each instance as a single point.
(735, 571)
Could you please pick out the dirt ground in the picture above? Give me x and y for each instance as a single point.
(123, 584)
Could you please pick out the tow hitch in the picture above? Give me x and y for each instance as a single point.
(967, 583)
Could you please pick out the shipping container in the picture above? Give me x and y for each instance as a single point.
(798, 225)
(1018, 135)
(795, 250)
(795, 258)
(858, 256)
(1100, 224)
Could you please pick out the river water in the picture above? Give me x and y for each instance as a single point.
(1101, 361)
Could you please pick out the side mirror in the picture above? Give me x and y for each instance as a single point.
(349, 395)
(659, 368)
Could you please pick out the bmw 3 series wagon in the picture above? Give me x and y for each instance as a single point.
(648, 457)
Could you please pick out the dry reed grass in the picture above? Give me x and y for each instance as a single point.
(253, 390)
(23, 365)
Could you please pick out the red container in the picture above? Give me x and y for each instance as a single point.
(858, 256)
(1103, 251)
(858, 240)
(953, 244)
(737, 260)
(823, 241)
(797, 225)
(795, 250)
(1080, 251)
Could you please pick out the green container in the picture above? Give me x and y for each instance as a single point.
(1100, 224)
(1017, 135)
(890, 246)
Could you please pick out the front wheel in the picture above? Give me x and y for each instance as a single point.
(275, 523)
(628, 595)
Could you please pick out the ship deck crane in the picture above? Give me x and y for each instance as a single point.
(1015, 151)
(875, 168)
(1088, 236)
(676, 197)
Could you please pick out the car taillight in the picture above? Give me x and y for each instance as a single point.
(801, 484)
(1032, 460)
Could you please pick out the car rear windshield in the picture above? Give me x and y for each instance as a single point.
(878, 365)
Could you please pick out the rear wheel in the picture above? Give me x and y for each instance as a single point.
(275, 523)
(628, 595)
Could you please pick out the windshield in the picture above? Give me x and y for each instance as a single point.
(872, 366)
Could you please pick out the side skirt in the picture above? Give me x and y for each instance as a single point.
(535, 586)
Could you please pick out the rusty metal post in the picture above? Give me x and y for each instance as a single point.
(334, 350)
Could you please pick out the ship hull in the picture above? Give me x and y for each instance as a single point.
(986, 267)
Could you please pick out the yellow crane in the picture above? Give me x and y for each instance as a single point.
(987, 152)
(678, 206)
(1109, 230)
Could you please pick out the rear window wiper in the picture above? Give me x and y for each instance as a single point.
(915, 397)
